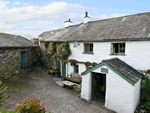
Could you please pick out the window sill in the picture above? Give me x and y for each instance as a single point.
(118, 54)
(87, 53)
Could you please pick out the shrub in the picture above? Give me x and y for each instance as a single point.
(146, 88)
(31, 105)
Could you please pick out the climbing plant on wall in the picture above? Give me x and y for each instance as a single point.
(52, 49)
(72, 62)
(63, 51)
(87, 64)
(94, 64)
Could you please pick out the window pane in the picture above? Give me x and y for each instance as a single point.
(122, 48)
(91, 47)
(88, 47)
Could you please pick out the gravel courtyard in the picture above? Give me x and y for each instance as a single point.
(35, 82)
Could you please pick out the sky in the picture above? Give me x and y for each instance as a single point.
(30, 18)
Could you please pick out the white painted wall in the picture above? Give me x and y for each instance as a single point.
(137, 54)
(137, 90)
(86, 87)
(121, 96)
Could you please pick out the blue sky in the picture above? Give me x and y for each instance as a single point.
(30, 18)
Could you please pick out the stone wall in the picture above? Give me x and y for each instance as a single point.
(33, 56)
(10, 60)
(44, 57)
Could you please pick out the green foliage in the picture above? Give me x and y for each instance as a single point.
(31, 105)
(63, 51)
(87, 64)
(144, 106)
(46, 46)
(57, 71)
(72, 62)
(64, 62)
(3, 97)
(94, 64)
(146, 88)
(52, 49)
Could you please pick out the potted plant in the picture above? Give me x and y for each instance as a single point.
(57, 72)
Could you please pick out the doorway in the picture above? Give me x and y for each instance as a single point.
(24, 59)
(98, 87)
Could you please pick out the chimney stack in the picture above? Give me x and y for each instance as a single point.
(68, 23)
(86, 17)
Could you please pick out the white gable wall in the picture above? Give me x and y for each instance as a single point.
(137, 90)
(137, 54)
(86, 87)
(121, 96)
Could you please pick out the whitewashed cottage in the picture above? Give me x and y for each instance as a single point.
(120, 47)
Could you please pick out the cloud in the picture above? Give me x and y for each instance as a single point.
(16, 3)
(33, 19)
(25, 3)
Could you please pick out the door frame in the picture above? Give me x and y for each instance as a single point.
(62, 69)
(92, 83)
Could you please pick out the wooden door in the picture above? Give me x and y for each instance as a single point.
(24, 60)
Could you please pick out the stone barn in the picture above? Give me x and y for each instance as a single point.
(16, 52)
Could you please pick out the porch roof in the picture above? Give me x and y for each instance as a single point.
(119, 67)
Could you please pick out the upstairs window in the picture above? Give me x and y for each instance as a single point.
(118, 48)
(76, 69)
(88, 48)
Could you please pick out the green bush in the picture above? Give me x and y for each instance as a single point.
(144, 105)
(31, 105)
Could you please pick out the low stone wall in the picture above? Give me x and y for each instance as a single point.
(10, 60)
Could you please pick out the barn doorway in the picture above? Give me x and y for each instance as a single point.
(24, 59)
(98, 88)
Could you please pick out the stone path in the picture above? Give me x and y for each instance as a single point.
(37, 83)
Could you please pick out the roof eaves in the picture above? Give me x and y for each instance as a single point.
(104, 63)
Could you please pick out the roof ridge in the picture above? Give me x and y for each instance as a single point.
(128, 15)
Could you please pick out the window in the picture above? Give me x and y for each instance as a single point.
(118, 48)
(76, 69)
(88, 48)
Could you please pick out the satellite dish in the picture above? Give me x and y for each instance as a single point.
(75, 44)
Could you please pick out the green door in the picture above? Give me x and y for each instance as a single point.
(24, 63)
(63, 70)
(95, 85)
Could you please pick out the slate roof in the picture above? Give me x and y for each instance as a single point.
(124, 69)
(130, 27)
(9, 40)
